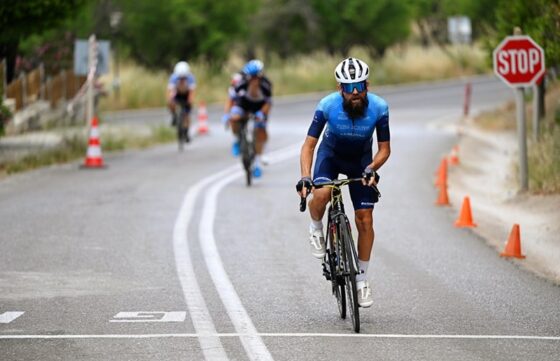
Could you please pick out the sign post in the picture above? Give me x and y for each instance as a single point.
(92, 64)
(519, 62)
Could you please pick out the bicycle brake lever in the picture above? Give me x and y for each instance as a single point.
(302, 204)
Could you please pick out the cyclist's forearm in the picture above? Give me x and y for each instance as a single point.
(266, 108)
(228, 106)
(306, 158)
(381, 156)
(191, 97)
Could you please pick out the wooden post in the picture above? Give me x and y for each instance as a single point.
(23, 81)
(42, 81)
(48, 87)
(63, 85)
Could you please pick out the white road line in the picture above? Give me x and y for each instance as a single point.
(287, 335)
(150, 316)
(211, 345)
(253, 344)
(251, 341)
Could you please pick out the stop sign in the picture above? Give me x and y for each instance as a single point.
(519, 61)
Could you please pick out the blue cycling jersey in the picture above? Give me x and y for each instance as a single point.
(174, 80)
(346, 137)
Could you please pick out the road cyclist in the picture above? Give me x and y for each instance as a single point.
(180, 97)
(348, 118)
(251, 97)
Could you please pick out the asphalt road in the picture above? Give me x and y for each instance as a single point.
(169, 256)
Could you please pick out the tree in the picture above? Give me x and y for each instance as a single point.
(286, 27)
(431, 17)
(159, 33)
(375, 24)
(19, 19)
(539, 19)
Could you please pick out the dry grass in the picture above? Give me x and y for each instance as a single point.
(144, 89)
(544, 155)
(73, 147)
(413, 63)
(544, 163)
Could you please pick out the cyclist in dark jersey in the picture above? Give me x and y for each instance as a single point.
(253, 94)
(349, 117)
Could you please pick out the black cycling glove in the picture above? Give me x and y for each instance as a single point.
(304, 182)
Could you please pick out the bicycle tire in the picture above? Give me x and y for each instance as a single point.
(350, 272)
(337, 282)
(245, 148)
(180, 130)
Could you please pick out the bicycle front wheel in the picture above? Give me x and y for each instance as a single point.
(246, 154)
(350, 267)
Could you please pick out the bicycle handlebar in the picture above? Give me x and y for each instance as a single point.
(335, 183)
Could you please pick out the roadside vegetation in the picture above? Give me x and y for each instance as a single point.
(543, 155)
(144, 88)
(74, 145)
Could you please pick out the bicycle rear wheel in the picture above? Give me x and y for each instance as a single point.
(350, 266)
(180, 130)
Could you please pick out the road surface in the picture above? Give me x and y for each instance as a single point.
(169, 256)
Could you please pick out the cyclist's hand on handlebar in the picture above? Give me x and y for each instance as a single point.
(370, 177)
(303, 187)
(225, 120)
(260, 116)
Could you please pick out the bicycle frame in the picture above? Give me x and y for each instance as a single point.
(343, 269)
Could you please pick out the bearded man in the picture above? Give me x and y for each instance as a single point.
(351, 116)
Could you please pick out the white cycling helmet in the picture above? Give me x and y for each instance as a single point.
(182, 69)
(351, 70)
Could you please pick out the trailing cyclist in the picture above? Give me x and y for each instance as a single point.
(252, 95)
(180, 92)
(351, 115)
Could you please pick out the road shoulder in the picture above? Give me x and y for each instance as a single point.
(486, 174)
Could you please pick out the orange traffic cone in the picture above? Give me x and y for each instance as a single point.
(513, 246)
(443, 199)
(442, 174)
(453, 157)
(94, 158)
(465, 217)
(202, 119)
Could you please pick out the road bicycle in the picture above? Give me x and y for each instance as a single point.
(247, 146)
(181, 112)
(340, 263)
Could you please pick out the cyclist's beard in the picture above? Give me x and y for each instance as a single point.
(355, 110)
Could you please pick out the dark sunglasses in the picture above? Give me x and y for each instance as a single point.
(349, 87)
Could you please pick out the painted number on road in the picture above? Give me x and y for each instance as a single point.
(8, 317)
(175, 316)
